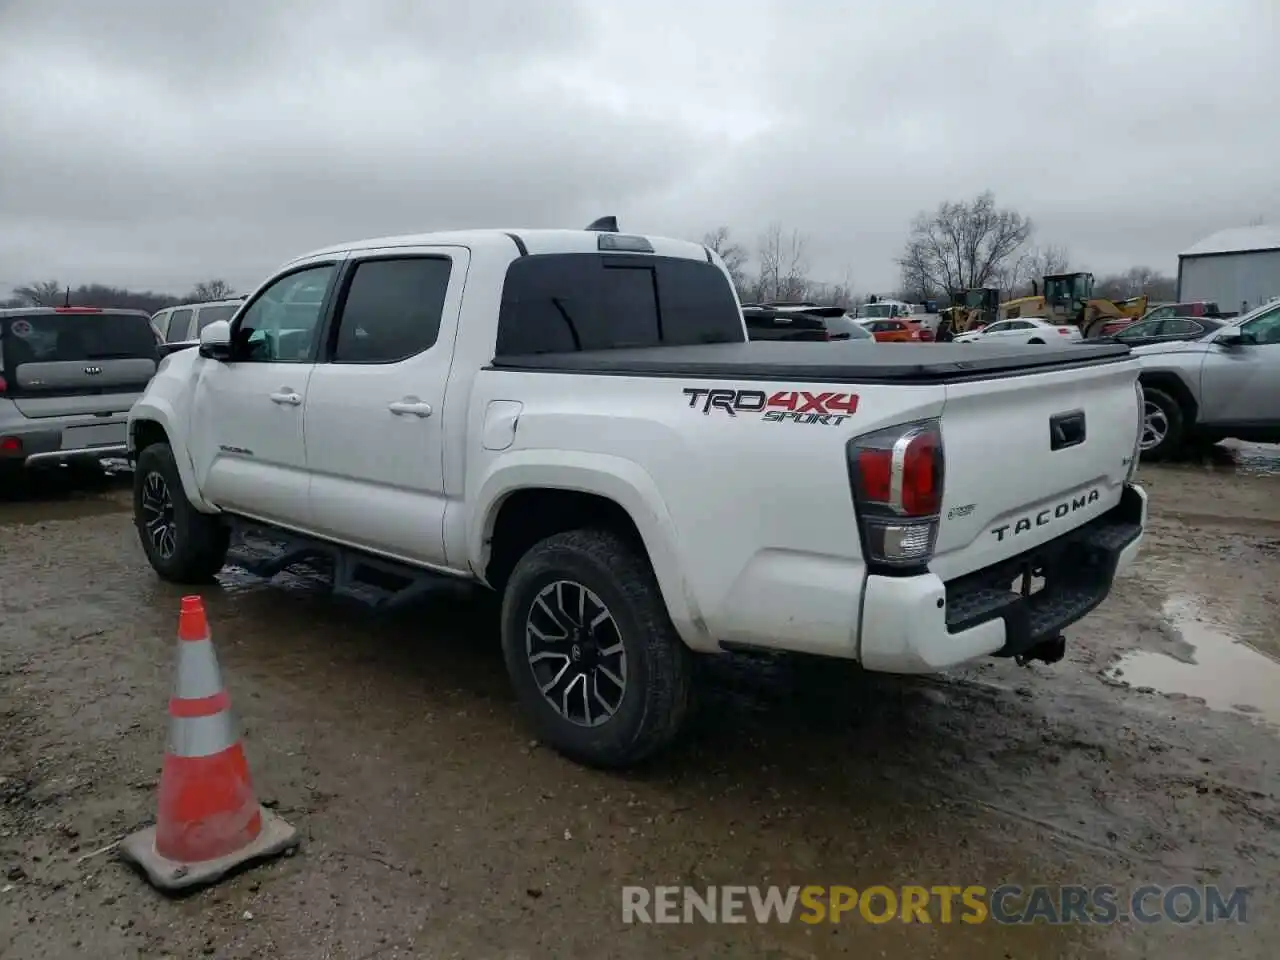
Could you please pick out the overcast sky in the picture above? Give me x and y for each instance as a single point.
(154, 143)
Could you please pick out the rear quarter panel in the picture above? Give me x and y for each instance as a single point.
(744, 506)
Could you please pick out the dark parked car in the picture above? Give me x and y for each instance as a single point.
(1162, 330)
(809, 323)
(1162, 311)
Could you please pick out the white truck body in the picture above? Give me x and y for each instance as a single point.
(732, 460)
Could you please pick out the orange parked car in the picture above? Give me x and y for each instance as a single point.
(898, 331)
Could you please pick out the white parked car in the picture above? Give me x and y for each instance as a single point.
(1027, 330)
(575, 419)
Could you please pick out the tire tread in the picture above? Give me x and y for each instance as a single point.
(668, 694)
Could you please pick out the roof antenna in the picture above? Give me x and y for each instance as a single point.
(604, 225)
(67, 300)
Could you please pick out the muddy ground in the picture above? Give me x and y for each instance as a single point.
(435, 827)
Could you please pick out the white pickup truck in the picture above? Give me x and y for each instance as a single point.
(574, 419)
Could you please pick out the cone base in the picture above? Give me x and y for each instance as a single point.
(139, 848)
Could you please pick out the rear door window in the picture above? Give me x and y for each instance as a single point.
(1136, 331)
(1180, 327)
(567, 302)
(392, 309)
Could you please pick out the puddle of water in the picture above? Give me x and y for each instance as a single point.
(1258, 458)
(1226, 673)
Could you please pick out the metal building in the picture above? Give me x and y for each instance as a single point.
(1237, 268)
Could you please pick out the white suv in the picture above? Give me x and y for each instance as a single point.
(182, 324)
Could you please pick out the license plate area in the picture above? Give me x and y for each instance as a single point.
(93, 435)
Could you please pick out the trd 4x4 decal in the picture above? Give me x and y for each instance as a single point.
(827, 408)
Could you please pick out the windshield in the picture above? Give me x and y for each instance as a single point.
(875, 310)
(1236, 321)
(1067, 289)
(52, 337)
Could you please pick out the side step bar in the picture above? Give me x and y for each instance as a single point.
(265, 551)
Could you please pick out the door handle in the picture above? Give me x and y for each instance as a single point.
(286, 396)
(410, 405)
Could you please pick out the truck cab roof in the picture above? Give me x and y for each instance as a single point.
(525, 242)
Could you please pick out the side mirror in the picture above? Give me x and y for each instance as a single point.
(215, 340)
(1233, 338)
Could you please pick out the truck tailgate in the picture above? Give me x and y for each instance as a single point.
(1029, 458)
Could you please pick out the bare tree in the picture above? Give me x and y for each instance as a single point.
(46, 293)
(784, 264)
(208, 290)
(1033, 264)
(961, 245)
(734, 254)
(834, 294)
(1134, 282)
(50, 293)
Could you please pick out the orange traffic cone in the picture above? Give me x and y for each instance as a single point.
(209, 820)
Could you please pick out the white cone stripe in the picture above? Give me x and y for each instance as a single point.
(201, 736)
(198, 673)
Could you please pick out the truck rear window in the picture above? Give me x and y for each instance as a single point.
(558, 303)
(50, 338)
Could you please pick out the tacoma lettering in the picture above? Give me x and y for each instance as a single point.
(1048, 515)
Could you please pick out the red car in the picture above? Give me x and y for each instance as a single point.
(898, 331)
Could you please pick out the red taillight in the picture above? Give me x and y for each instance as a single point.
(897, 477)
(10, 445)
(875, 468)
(77, 309)
(3, 386)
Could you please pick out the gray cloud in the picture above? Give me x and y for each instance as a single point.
(154, 144)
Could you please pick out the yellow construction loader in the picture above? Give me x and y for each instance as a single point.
(972, 308)
(1068, 298)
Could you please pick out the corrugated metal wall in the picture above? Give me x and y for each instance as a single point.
(1230, 278)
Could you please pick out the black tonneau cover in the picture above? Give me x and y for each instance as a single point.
(863, 361)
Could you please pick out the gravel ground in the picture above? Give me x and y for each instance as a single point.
(434, 827)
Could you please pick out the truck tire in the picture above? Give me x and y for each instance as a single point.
(1163, 424)
(582, 611)
(182, 544)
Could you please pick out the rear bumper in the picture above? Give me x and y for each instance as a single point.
(41, 441)
(921, 624)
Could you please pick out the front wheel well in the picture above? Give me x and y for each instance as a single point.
(1172, 384)
(146, 433)
(527, 517)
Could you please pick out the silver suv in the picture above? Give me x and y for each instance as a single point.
(1225, 384)
(68, 376)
